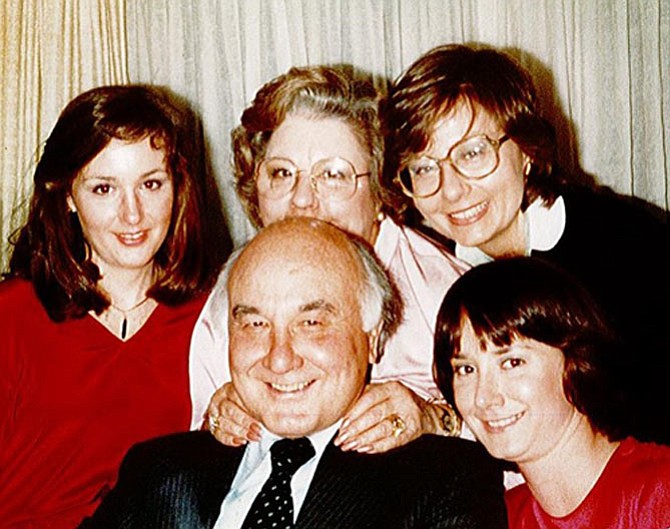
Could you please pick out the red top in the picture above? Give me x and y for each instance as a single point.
(74, 398)
(633, 492)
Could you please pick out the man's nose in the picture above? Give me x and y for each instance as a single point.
(282, 357)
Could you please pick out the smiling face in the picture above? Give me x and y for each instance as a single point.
(485, 212)
(512, 397)
(298, 354)
(304, 140)
(123, 199)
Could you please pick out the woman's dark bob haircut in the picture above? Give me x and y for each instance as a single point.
(523, 297)
(485, 80)
(50, 249)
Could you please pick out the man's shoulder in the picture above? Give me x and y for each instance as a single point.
(432, 457)
(444, 452)
(178, 450)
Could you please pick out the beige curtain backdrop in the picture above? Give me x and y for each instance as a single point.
(50, 51)
(602, 65)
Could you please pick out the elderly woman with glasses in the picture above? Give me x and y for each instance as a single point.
(311, 145)
(470, 155)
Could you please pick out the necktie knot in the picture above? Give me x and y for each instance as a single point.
(273, 506)
(288, 455)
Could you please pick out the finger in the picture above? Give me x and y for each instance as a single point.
(383, 445)
(221, 397)
(227, 439)
(236, 422)
(231, 418)
(357, 429)
(385, 435)
(378, 402)
(373, 395)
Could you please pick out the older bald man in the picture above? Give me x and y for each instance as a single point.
(309, 308)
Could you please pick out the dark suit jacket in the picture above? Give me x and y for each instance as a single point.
(180, 481)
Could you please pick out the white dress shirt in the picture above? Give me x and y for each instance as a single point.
(255, 469)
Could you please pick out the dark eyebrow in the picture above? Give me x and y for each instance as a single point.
(319, 304)
(498, 351)
(151, 172)
(243, 310)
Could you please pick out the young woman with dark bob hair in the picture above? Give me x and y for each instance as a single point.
(471, 155)
(106, 280)
(523, 352)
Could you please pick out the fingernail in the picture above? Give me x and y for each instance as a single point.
(364, 449)
(351, 445)
(343, 436)
(254, 433)
(345, 423)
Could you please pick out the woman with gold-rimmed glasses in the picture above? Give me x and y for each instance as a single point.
(311, 145)
(470, 156)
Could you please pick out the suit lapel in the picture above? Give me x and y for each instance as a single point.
(214, 483)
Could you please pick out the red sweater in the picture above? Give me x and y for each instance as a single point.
(633, 492)
(74, 399)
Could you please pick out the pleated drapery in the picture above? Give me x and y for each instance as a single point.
(602, 66)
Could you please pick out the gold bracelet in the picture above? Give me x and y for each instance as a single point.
(450, 422)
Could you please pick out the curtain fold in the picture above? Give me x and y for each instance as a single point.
(602, 67)
(52, 50)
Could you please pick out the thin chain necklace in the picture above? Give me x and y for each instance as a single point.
(124, 322)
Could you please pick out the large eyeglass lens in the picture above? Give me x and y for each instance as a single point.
(334, 177)
(421, 177)
(475, 157)
(276, 177)
(331, 178)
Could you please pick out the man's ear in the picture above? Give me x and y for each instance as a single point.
(375, 344)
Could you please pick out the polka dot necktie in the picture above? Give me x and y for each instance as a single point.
(273, 507)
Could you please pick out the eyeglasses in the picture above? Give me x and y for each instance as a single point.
(473, 158)
(332, 178)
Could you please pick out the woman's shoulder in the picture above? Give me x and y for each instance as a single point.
(640, 474)
(192, 307)
(16, 292)
(19, 304)
(396, 240)
(518, 501)
(611, 207)
(646, 460)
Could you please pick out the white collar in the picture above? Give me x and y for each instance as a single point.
(319, 440)
(544, 228)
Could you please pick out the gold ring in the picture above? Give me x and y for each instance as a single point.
(213, 424)
(397, 425)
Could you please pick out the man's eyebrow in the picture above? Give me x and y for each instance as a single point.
(243, 310)
(319, 304)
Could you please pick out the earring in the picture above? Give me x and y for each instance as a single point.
(527, 168)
